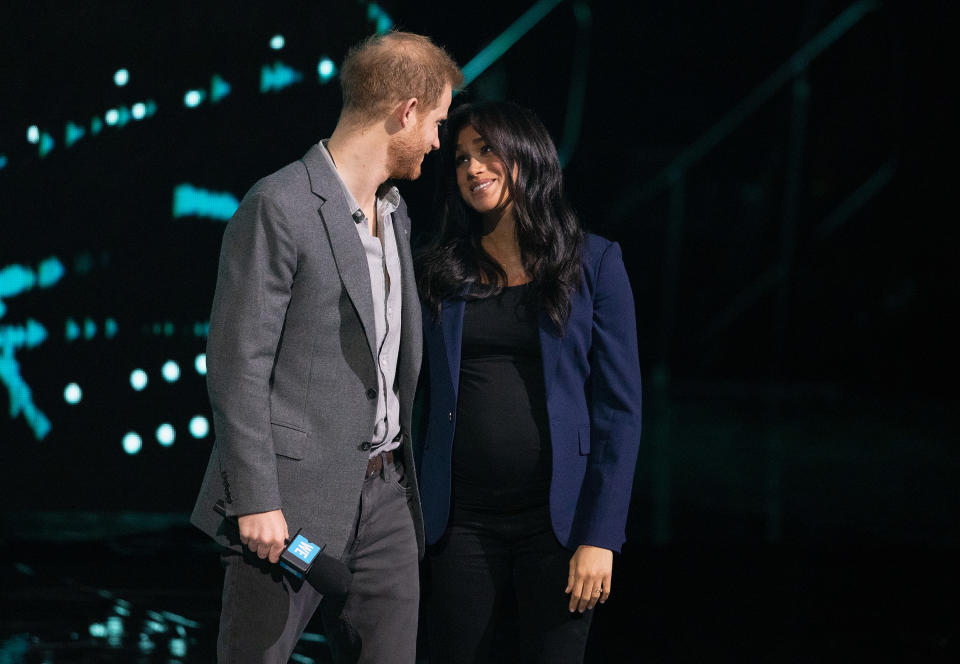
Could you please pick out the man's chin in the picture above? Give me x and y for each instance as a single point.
(409, 173)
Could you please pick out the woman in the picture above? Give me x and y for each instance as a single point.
(534, 398)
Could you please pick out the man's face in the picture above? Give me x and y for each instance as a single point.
(408, 147)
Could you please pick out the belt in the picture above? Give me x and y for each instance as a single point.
(375, 464)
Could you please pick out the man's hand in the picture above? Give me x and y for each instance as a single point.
(591, 569)
(265, 533)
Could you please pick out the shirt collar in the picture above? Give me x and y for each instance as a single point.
(388, 197)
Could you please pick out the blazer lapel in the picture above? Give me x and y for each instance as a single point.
(451, 320)
(549, 350)
(344, 242)
(411, 335)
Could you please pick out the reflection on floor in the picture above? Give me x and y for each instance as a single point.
(145, 588)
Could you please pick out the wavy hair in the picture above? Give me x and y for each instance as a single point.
(547, 229)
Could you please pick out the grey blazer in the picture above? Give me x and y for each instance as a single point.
(290, 359)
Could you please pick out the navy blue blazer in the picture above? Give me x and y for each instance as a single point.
(592, 379)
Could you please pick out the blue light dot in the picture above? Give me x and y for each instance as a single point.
(33, 134)
(193, 98)
(72, 394)
(138, 379)
(277, 42)
(326, 69)
(121, 77)
(178, 647)
(132, 443)
(199, 427)
(171, 371)
(201, 364)
(166, 434)
(139, 111)
(98, 630)
(112, 117)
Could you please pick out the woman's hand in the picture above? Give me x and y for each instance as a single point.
(591, 569)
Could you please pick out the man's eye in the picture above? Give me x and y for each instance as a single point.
(485, 149)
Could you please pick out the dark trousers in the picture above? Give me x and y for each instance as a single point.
(265, 611)
(496, 594)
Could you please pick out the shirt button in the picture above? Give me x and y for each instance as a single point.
(365, 445)
(371, 393)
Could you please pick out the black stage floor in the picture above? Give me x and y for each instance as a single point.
(82, 587)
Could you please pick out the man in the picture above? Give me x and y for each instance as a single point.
(313, 356)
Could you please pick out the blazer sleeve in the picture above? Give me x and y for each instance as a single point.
(615, 400)
(258, 260)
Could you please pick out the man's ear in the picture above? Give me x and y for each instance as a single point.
(407, 111)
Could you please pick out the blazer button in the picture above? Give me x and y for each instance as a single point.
(365, 445)
(371, 393)
(450, 416)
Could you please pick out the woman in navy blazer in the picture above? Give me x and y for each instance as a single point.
(533, 426)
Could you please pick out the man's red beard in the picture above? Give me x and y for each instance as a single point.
(405, 157)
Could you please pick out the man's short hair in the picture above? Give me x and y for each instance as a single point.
(385, 69)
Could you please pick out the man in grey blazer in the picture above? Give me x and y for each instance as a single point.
(313, 356)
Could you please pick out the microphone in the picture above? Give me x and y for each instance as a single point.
(304, 559)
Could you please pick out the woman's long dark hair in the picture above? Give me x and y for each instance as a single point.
(548, 231)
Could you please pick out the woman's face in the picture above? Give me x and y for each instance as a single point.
(481, 175)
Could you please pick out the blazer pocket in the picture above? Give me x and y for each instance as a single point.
(288, 442)
(584, 435)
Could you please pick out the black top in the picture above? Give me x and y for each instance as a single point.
(501, 448)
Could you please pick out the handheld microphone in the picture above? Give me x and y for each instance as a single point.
(304, 559)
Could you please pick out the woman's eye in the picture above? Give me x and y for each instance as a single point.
(460, 159)
(485, 149)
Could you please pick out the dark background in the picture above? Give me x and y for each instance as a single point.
(785, 225)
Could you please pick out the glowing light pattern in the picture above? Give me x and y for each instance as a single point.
(166, 434)
(278, 77)
(219, 88)
(199, 427)
(15, 280)
(194, 98)
(72, 332)
(326, 69)
(200, 364)
(138, 379)
(272, 78)
(72, 394)
(117, 117)
(46, 144)
(132, 443)
(170, 371)
(507, 38)
(190, 201)
(376, 14)
(178, 647)
(72, 133)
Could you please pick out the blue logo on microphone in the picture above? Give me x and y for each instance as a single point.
(304, 549)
